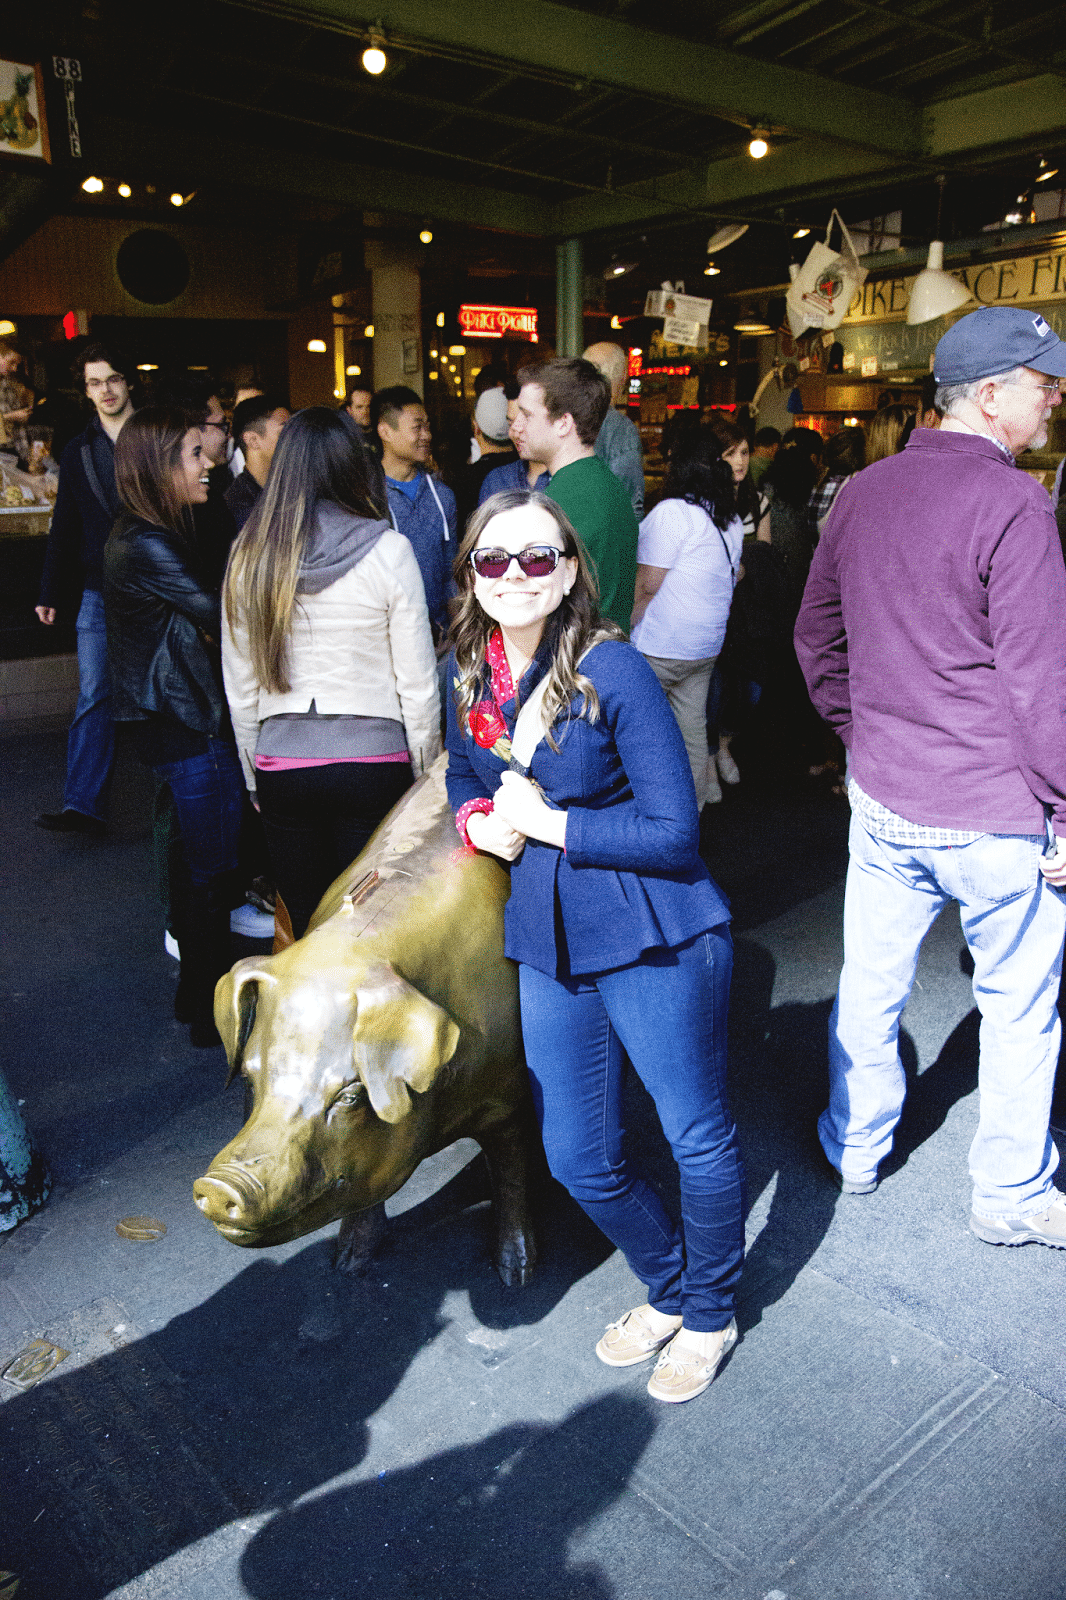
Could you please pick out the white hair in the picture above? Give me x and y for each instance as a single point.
(611, 360)
(950, 395)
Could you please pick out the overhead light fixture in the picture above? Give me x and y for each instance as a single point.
(8, 329)
(751, 325)
(440, 319)
(433, 354)
(374, 58)
(935, 292)
(711, 271)
(433, 377)
(723, 363)
(457, 349)
(93, 185)
(801, 233)
(726, 236)
(616, 322)
(617, 269)
(124, 190)
(178, 199)
(368, 331)
(758, 146)
(1044, 171)
(316, 347)
(353, 372)
(147, 366)
(426, 236)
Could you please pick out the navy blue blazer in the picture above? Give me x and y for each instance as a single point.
(631, 878)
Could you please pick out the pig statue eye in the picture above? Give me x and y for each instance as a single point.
(346, 1099)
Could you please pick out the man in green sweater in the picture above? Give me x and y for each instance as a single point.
(561, 409)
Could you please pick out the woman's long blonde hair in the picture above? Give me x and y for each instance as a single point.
(568, 632)
(319, 457)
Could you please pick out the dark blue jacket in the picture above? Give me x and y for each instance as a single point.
(86, 507)
(631, 878)
(432, 537)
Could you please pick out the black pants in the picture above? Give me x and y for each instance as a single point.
(317, 819)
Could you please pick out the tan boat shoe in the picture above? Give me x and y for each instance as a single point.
(682, 1374)
(631, 1340)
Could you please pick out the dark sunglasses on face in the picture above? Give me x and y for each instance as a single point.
(536, 561)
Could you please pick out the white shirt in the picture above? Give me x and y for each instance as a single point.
(686, 618)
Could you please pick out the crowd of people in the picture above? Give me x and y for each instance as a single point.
(289, 642)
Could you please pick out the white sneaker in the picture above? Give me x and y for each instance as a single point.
(714, 789)
(728, 770)
(250, 922)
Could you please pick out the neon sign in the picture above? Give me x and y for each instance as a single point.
(492, 322)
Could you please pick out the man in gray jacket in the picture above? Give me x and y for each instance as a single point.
(619, 444)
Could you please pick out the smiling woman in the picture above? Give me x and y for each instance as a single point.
(565, 759)
(163, 631)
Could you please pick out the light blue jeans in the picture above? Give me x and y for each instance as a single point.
(1014, 924)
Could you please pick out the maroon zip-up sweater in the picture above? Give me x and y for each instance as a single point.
(932, 636)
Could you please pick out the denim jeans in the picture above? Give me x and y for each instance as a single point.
(1014, 924)
(668, 1012)
(91, 741)
(208, 795)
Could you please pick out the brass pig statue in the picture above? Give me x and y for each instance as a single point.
(383, 1035)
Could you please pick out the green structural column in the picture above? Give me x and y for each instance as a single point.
(24, 1179)
(569, 298)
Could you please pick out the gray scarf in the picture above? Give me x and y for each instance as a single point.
(339, 541)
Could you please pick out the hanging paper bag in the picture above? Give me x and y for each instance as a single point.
(827, 281)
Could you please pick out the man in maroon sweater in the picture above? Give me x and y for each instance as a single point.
(933, 639)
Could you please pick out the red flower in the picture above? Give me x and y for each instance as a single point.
(486, 724)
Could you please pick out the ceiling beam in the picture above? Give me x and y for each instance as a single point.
(802, 170)
(121, 146)
(1013, 116)
(576, 45)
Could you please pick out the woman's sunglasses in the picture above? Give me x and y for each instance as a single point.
(536, 561)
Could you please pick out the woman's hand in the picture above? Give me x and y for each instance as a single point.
(519, 802)
(488, 831)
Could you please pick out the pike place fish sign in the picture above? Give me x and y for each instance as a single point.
(1023, 280)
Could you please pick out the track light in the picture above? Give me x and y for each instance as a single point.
(374, 58)
(758, 146)
(1045, 171)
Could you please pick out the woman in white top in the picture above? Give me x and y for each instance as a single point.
(688, 561)
(327, 657)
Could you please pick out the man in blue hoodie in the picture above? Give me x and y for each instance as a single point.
(86, 506)
(422, 508)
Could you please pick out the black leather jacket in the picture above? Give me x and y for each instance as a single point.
(163, 629)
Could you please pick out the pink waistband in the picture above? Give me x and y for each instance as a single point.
(290, 763)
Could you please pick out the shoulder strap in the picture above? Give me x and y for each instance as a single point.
(91, 478)
(531, 724)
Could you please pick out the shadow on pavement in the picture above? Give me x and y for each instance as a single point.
(492, 1519)
(259, 1395)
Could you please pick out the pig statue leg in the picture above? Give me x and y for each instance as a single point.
(507, 1150)
(358, 1238)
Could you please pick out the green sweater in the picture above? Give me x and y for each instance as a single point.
(599, 506)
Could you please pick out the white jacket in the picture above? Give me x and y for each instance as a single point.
(361, 647)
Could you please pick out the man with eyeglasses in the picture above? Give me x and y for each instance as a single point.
(933, 639)
(72, 582)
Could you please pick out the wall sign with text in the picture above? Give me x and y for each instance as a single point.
(1022, 280)
(492, 322)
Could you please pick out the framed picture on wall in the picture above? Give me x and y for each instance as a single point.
(23, 123)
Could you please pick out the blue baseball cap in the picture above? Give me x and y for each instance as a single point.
(997, 339)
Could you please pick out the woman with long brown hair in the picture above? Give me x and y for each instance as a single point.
(163, 627)
(328, 658)
(565, 759)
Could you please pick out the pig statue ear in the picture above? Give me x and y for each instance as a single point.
(400, 1041)
(236, 993)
